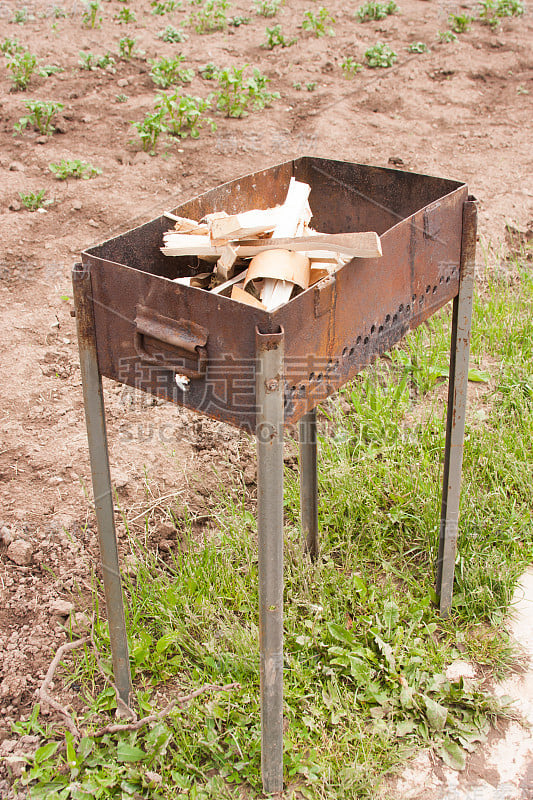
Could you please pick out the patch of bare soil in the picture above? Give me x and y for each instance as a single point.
(463, 110)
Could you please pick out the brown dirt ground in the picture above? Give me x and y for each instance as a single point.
(463, 110)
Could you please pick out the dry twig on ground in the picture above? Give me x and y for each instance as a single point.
(178, 701)
(43, 691)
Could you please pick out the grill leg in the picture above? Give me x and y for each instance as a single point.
(269, 435)
(102, 489)
(309, 482)
(455, 424)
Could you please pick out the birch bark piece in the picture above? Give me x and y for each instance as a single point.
(281, 265)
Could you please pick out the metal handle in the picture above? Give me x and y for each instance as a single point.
(185, 337)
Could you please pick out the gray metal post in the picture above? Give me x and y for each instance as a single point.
(269, 436)
(309, 482)
(103, 493)
(455, 425)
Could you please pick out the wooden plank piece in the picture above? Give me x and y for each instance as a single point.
(249, 223)
(187, 244)
(364, 244)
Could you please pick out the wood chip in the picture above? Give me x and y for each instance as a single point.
(245, 225)
(222, 287)
(186, 225)
(225, 267)
(245, 297)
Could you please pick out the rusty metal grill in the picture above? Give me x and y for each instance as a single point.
(332, 331)
(261, 371)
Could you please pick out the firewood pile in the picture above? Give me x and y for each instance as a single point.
(263, 257)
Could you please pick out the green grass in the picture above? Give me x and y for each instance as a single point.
(365, 649)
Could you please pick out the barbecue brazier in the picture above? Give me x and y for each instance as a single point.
(262, 371)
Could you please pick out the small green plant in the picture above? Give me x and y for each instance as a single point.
(460, 23)
(275, 38)
(380, 56)
(90, 16)
(372, 10)
(22, 66)
(210, 17)
(319, 23)
(236, 94)
(238, 20)
(173, 35)
(124, 16)
(20, 16)
(209, 72)
(311, 86)
(492, 11)
(50, 69)
(73, 169)
(125, 47)
(350, 67)
(121, 98)
(150, 129)
(106, 62)
(418, 47)
(165, 7)
(297, 85)
(267, 8)
(59, 13)
(185, 114)
(168, 71)
(446, 36)
(33, 201)
(11, 47)
(90, 61)
(40, 117)
(87, 61)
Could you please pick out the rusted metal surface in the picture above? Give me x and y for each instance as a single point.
(332, 330)
(101, 479)
(185, 341)
(309, 482)
(269, 436)
(455, 424)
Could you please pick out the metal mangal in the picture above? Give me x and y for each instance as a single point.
(264, 372)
